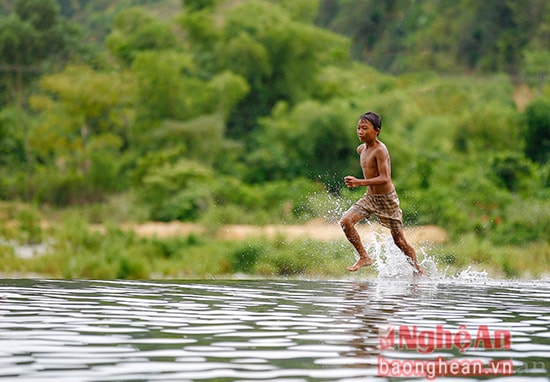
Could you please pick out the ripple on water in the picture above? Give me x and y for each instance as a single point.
(251, 330)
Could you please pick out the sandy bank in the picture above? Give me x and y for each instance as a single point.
(317, 230)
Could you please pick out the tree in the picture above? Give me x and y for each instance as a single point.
(83, 112)
(535, 69)
(278, 56)
(197, 5)
(537, 136)
(135, 31)
(511, 169)
(41, 14)
(169, 88)
(29, 37)
(163, 91)
(406, 35)
(12, 139)
(18, 43)
(311, 140)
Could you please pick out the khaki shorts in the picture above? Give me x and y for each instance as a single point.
(384, 206)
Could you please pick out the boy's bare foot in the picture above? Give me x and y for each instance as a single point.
(418, 271)
(362, 262)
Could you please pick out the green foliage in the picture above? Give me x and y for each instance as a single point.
(41, 14)
(82, 110)
(161, 90)
(535, 69)
(135, 31)
(524, 222)
(30, 226)
(190, 134)
(537, 136)
(227, 89)
(169, 93)
(279, 57)
(19, 41)
(78, 250)
(197, 5)
(302, 258)
(526, 261)
(202, 32)
(287, 201)
(311, 140)
(32, 33)
(178, 191)
(513, 170)
(244, 258)
(489, 129)
(448, 36)
(77, 137)
(245, 112)
(301, 10)
(12, 139)
(30, 37)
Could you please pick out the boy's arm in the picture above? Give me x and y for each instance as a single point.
(351, 181)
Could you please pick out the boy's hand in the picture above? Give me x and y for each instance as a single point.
(351, 181)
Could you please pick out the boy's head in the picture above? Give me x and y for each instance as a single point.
(373, 118)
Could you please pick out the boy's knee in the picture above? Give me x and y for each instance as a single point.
(345, 223)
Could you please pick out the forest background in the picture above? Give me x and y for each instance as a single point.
(218, 112)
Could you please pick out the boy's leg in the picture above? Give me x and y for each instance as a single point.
(347, 223)
(399, 240)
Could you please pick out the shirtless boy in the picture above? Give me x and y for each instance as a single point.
(380, 198)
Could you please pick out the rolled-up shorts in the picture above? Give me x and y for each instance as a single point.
(384, 206)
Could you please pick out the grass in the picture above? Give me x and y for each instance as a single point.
(529, 261)
(75, 250)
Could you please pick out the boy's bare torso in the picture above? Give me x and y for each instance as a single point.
(373, 159)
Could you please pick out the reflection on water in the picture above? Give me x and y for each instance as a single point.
(259, 330)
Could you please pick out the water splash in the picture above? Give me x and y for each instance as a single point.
(471, 275)
(389, 260)
(329, 207)
(391, 263)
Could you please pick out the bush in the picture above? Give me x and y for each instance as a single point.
(525, 222)
(30, 229)
(537, 136)
(513, 170)
(274, 201)
(132, 268)
(244, 258)
(302, 257)
(179, 191)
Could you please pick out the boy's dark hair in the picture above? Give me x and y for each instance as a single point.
(374, 118)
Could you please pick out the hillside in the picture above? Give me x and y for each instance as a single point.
(445, 36)
(244, 112)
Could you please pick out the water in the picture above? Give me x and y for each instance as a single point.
(277, 330)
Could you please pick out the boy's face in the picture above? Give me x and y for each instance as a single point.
(366, 131)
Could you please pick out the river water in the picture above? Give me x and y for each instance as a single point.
(277, 330)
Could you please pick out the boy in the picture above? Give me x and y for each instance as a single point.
(380, 198)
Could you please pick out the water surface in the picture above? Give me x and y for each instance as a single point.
(291, 330)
